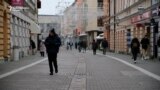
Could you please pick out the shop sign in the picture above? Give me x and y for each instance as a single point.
(17, 2)
(138, 18)
(156, 11)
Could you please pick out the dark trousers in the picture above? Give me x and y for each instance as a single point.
(104, 51)
(134, 53)
(42, 54)
(94, 52)
(52, 59)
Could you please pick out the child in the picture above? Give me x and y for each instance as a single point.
(42, 49)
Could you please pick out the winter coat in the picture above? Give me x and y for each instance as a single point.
(135, 45)
(104, 44)
(52, 44)
(42, 47)
(94, 45)
(145, 43)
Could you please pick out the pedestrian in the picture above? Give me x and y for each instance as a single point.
(70, 45)
(135, 45)
(79, 46)
(76, 45)
(84, 46)
(94, 47)
(42, 48)
(52, 44)
(67, 47)
(33, 46)
(145, 45)
(104, 45)
(158, 44)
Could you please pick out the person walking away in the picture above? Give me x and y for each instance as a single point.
(135, 45)
(84, 45)
(79, 46)
(145, 45)
(104, 45)
(158, 43)
(70, 45)
(42, 49)
(52, 44)
(33, 46)
(76, 45)
(94, 47)
(67, 47)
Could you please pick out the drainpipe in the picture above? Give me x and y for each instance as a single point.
(114, 26)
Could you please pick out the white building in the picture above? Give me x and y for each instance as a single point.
(23, 28)
(47, 22)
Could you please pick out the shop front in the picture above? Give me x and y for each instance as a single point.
(142, 26)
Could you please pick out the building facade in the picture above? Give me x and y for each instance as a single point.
(47, 22)
(20, 34)
(106, 19)
(133, 18)
(4, 30)
(24, 27)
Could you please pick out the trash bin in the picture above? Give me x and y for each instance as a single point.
(16, 53)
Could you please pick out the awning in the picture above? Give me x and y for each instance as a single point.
(82, 35)
(101, 34)
(34, 28)
(98, 37)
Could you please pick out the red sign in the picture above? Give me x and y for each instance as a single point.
(17, 2)
(138, 18)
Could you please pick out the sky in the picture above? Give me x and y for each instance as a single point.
(49, 7)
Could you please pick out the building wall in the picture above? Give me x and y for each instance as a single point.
(125, 11)
(47, 22)
(69, 22)
(92, 15)
(20, 34)
(4, 30)
(106, 17)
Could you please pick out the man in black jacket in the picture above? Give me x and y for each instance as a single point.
(52, 44)
(104, 45)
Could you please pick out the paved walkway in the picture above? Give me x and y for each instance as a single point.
(80, 71)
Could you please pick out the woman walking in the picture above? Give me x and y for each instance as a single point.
(135, 48)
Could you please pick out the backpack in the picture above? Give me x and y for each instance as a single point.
(135, 44)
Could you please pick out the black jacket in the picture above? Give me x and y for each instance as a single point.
(104, 44)
(145, 42)
(52, 44)
(135, 45)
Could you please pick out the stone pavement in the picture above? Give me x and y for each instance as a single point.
(8, 66)
(81, 71)
(152, 65)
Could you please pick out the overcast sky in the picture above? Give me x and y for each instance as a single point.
(48, 7)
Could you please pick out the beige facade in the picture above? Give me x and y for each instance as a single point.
(4, 30)
(68, 19)
(106, 18)
(126, 24)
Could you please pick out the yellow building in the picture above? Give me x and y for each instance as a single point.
(4, 30)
